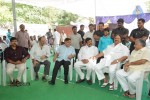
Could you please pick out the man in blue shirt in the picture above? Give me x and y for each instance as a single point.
(63, 56)
(8, 34)
(105, 40)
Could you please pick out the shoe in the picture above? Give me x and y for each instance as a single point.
(18, 83)
(149, 93)
(12, 83)
(80, 81)
(44, 79)
(50, 82)
(36, 77)
(111, 87)
(104, 85)
(89, 82)
(66, 81)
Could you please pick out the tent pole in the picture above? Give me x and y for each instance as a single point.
(95, 11)
(14, 16)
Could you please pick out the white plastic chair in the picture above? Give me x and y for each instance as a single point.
(70, 70)
(93, 75)
(32, 69)
(4, 73)
(84, 68)
(139, 83)
(1, 73)
(118, 68)
(115, 79)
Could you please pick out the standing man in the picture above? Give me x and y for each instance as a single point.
(40, 54)
(8, 34)
(63, 57)
(63, 36)
(99, 33)
(76, 40)
(86, 52)
(15, 57)
(81, 32)
(121, 30)
(138, 33)
(49, 36)
(56, 37)
(23, 38)
(90, 33)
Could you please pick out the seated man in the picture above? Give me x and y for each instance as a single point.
(15, 57)
(40, 54)
(139, 60)
(63, 55)
(85, 53)
(113, 55)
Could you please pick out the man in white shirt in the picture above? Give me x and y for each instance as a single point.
(39, 54)
(139, 61)
(63, 57)
(6, 40)
(90, 33)
(76, 40)
(63, 36)
(56, 37)
(113, 55)
(85, 53)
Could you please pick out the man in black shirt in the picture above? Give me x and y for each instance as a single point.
(120, 30)
(81, 32)
(15, 57)
(99, 33)
(138, 33)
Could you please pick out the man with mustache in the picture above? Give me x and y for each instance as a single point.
(85, 53)
(113, 55)
(63, 56)
(139, 60)
(121, 30)
(15, 57)
(139, 33)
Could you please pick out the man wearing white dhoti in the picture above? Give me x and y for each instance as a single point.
(138, 61)
(113, 55)
(85, 53)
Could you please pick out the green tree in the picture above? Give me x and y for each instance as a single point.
(32, 14)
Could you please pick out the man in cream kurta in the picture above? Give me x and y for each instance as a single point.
(138, 61)
(113, 55)
(40, 54)
(85, 53)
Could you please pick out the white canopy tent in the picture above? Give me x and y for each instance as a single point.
(89, 8)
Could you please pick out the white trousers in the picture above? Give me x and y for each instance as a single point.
(89, 66)
(128, 80)
(56, 46)
(10, 69)
(100, 69)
